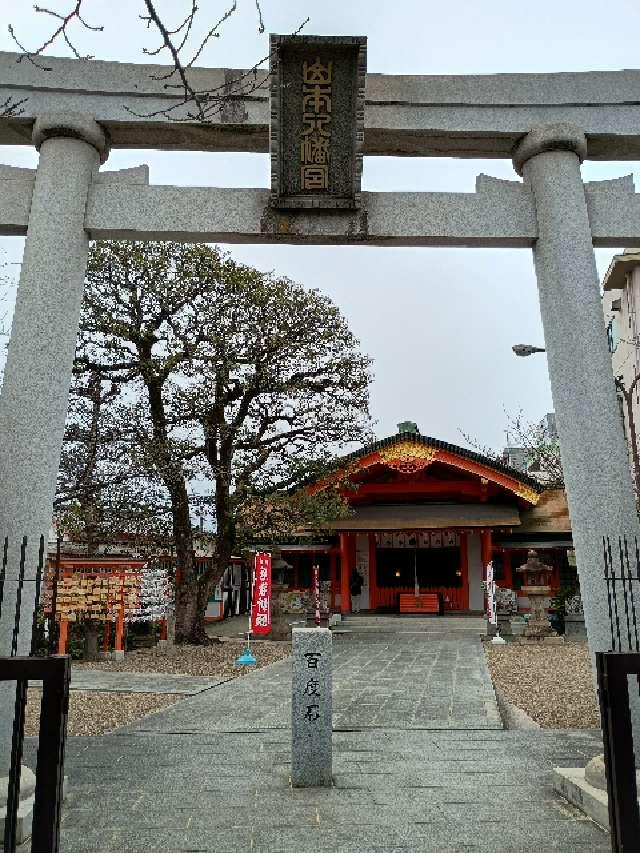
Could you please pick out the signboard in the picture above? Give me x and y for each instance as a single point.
(317, 121)
(419, 539)
(261, 595)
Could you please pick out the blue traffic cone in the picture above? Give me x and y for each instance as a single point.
(246, 658)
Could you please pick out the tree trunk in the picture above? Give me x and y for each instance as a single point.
(91, 637)
(188, 629)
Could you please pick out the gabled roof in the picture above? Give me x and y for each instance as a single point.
(415, 451)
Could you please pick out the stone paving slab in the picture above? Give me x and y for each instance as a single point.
(402, 790)
(204, 776)
(385, 682)
(140, 682)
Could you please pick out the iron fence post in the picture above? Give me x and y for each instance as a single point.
(613, 669)
(50, 766)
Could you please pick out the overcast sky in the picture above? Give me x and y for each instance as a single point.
(439, 323)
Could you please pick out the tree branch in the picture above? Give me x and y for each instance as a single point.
(60, 32)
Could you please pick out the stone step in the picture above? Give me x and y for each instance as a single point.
(440, 626)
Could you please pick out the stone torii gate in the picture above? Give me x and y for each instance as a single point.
(546, 123)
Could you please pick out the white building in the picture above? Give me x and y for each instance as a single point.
(621, 302)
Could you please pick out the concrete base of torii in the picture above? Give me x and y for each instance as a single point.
(25, 809)
(24, 824)
(586, 788)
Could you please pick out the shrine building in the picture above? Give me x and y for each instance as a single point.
(427, 518)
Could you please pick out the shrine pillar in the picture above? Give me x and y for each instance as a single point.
(373, 569)
(63, 636)
(594, 453)
(485, 550)
(485, 557)
(346, 567)
(333, 579)
(33, 403)
(464, 568)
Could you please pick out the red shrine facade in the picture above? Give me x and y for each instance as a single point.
(427, 518)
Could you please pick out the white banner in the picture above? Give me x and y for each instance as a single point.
(492, 612)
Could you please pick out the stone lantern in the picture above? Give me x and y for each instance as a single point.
(536, 587)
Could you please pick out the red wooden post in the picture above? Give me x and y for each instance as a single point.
(163, 628)
(119, 643)
(464, 568)
(485, 538)
(345, 573)
(373, 580)
(333, 578)
(63, 634)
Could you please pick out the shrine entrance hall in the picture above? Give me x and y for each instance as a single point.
(427, 517)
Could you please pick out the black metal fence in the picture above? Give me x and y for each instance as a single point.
(614, 669)
(7, 576)
(622, 578)
(54, 672)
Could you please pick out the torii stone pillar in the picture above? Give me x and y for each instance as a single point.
(33, 403)
(592, 445)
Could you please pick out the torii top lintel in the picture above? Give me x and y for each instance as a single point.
(410, 115)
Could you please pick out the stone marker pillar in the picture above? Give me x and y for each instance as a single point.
(33, 403)
(311, 724)
(592, 445)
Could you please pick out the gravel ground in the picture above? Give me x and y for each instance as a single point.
(214, 660)
(92, 713)
(553, 684)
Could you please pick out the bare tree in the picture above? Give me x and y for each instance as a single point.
(627, 397)
(12, 107)
(103, 490)
(542, 450)
(179, 41)
(7, 285)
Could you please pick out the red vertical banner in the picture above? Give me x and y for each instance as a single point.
(261, 595)
(316, 593)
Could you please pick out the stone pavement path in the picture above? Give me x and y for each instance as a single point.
(212, 773)
(399, 682)
(378, 681)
